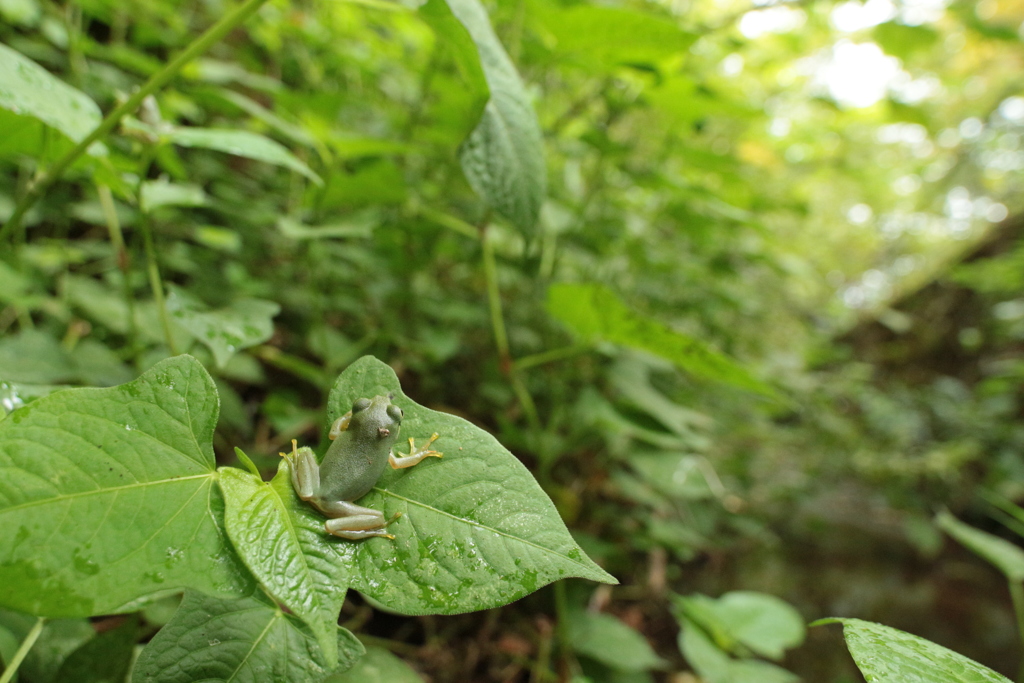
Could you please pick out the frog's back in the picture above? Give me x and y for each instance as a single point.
(354, 463)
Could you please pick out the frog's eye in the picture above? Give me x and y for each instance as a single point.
(360, 404)
(395, 412)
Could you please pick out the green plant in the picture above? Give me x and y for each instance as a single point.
(112, 498)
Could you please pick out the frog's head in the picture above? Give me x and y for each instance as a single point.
(377, 415)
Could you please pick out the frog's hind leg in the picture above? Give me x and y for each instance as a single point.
(354, 522)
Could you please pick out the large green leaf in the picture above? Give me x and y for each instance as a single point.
(503, 158)
(283, 545)
(241, 143)
(594, 312)
(107, 496)
(378, 666)
(1007, 557)
(887, 655)
(243, 641)
(226, 331)
(476, 531)
(30, 95)
(606, 639)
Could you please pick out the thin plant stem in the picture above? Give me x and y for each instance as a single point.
(121, 255)
(494, 298)
(26, 645)
(213, 35)
(508, 367)
(156, 284)
(551, 356)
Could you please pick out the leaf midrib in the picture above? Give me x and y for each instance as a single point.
(94, 492)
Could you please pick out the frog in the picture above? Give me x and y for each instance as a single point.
(363, 444)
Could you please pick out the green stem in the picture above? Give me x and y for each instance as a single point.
(508, 367)
(494, 298)
(213, 35)
(1017, 595)
(121, 255)
(550, 356)
(26, 645)
(156, 284)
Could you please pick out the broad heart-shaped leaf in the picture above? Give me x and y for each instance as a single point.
(887, 655)
(30, 95)
(378, 666)
(107, 496)
(282, 544)
(608, 640)
(243, 641)
(593, 311)
(1007, 557)
(476, 529)
(503, 158)
(245, 323)
(241, 143)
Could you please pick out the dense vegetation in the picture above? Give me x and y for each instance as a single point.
(742, 286)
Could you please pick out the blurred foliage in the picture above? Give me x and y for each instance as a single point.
(679, 321)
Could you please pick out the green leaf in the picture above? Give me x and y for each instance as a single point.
(503, 158)
(476, 531)
(30, 95)
(156, 193)
(358, 225)
(226, 331)
(9, 645)
(283, 545)
(241, 143)
(455, 38)
(715, 666)
(1007, 557)
(242, 641)
(606, 639)
(378, 666)
(33, 357)
(105, 658)
(602, 37)
(107, 496)
(58, 639)
(594, 312)
(887, 655)
(765, 624)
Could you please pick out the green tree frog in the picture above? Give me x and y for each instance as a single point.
(363, 441)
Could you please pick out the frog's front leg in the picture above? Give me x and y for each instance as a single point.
(415, 455)
(305, 471)
(354, 522)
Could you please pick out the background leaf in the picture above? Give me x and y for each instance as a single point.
(378, 666)
(241, 143)
(58, 639)
(476, 529)
(103, 659)
(244, 323)
(503, 158)
(29, 93)
(606, 639)
(715, 666)
(243, 641)
(887, 655)
(764, 623)
(594, 312)
(107, 496)
(1007, 557)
